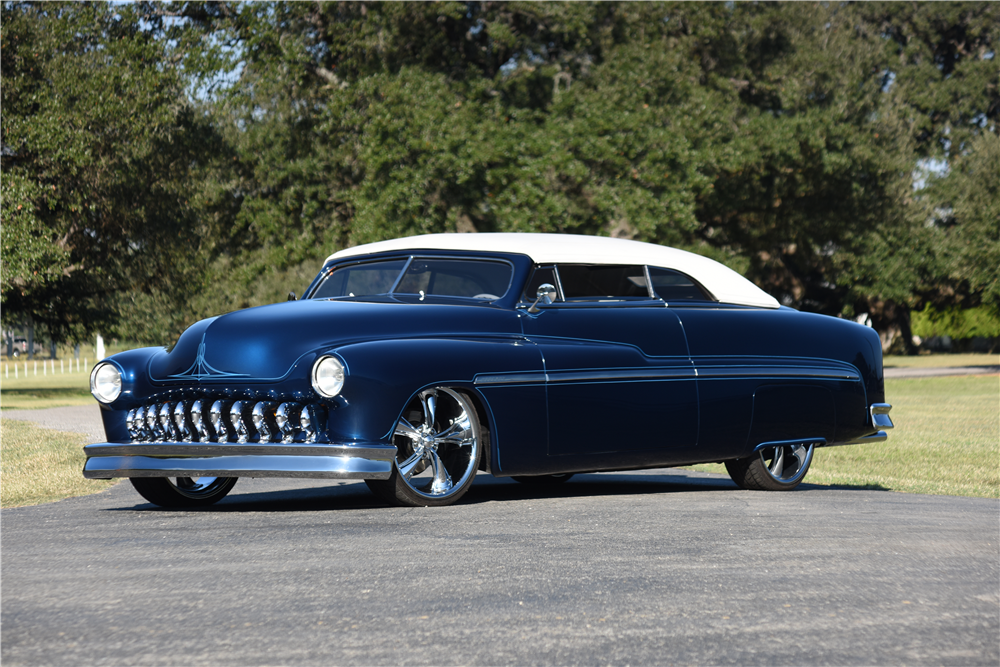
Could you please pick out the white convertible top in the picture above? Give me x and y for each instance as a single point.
(725, 284)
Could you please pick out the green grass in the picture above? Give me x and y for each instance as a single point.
(941, 360)
(49, 391)
(39, 466)
(946, 442)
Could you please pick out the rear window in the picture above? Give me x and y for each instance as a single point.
(672, 285)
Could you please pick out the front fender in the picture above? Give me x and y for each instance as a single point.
(384, 375)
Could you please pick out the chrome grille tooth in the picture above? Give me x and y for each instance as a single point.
(139, 424)
(238, 418)
(182, 422)
(287, 418)
(166, 422)
(219, 413)
(130, 424)
(152, 425)
(263, 420)
(309, 422)
(201, 420)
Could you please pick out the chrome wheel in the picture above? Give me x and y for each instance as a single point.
(778, 468)
(438, 443)
(787, 464)
(198, 487)
(183, 491)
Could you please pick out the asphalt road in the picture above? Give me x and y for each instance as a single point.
(655, 567)
(639, 568)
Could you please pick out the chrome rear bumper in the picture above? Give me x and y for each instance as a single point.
(881, 436)
(106, 460)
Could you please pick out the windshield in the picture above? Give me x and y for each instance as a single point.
(469, 278)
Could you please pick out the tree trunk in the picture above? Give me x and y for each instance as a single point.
(892, 322)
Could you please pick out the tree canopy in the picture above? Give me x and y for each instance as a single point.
(168, 161)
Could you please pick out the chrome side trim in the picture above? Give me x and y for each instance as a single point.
(511, 378)
(671, 372)
(598, 375)
(106, 460)
(881, 436)
(623, 374)
(880, 415)
(716, 372)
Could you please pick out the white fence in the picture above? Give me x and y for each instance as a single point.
(23, 369)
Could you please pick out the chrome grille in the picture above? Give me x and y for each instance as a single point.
(221, 420)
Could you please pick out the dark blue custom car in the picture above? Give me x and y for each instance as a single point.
(415, 363)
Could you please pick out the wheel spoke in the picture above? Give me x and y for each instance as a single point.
(407, 467)
(800, 455)
(429, 401)
(456, 434)
(778, 464)
(406, 429)
(442, 480)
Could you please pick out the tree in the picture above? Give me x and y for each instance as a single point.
(779, 138)
(99, 144)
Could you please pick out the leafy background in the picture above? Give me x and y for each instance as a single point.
(164, 162)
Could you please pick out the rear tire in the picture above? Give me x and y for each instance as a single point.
(779, 468)
(183, 491)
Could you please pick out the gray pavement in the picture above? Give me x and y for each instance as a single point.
(651, 567)
(85, 419)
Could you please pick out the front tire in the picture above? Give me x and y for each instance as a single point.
(779, 468)
(183, 491)
(438, 442)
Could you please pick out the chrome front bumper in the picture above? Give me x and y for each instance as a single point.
(106, 460)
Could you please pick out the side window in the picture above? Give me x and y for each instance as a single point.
(675, 286)
(590, 282)
(540, 276)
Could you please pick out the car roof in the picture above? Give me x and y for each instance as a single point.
(725, 284)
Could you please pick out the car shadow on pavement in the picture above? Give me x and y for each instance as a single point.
(486, 489)
(342, 496)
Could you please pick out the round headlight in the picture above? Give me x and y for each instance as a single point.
(328, 376)
(105, 382)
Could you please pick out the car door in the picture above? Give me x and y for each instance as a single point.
(620, 386)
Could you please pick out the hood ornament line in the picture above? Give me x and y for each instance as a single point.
(201, 369)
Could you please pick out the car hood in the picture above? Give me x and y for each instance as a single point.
(264, 343)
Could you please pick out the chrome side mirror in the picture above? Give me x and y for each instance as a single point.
(292, 297)
(546, 295)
